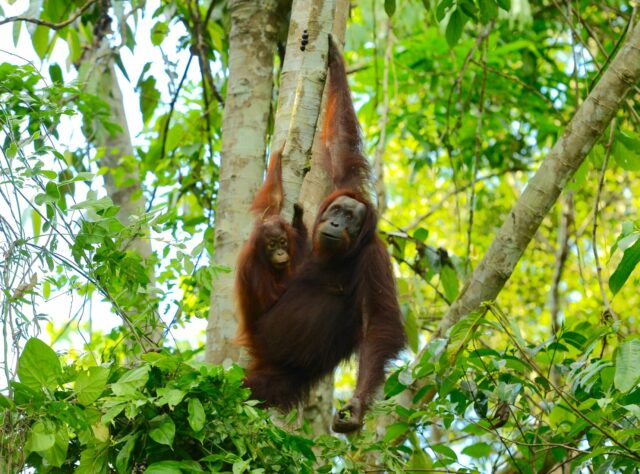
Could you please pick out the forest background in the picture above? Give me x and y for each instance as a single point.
(504, 139)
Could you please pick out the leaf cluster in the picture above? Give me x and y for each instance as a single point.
(165, 415)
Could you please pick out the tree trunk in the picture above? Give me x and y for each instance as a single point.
(318, 412)
(115, 152)
(252, 44)
(301, 88)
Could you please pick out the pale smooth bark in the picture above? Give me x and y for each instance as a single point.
(301, 87)
(318, 412)
(115, 152)
(252, 44)
(545, 186)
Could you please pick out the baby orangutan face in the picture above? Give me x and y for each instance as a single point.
(275, 243)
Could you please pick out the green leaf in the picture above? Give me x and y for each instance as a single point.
(93, 460)
(454, 28)
(55, 73)
(42, 436)
(131, 381)
(39, 366)
(149, 98)
(449, 281)
(56, 455)
(488, 10)
(173, 467)
(89, 385)
(504, 4)
(158, 33)
(394, 431)
(197, 416)
(6, 402)
(169, 396)
(626, 151)
(52, 190)
(123, 460)
(36, 219)
(75, 46)
(448, 455)
(40, 40)
(163, 430)
(630, 259)
(478, 450)
(390, 7)
(94, 204)
(627, 366)
(421, 234)
(441, 10)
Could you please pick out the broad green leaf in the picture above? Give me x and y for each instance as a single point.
(627, 365)
(449, 281)
(461, 333)
(40, 39)
(393, 386)
(395, 430)
(626, 151)
(240, 466)
(131, 381)
(94, 204)
(149, 98)
(90, 384)
(419, 461)
(454, 28)
(441, 11)
(36, 219)
(197, 416)
(468, 8)
(633, 409)
(504, 4)
(625, 242)
(163, 430)
(56, 455)
(412, 330)
(6, 402)
(42, 436)
(93, 460)
(55, 73)
(123, 460)
(75, 47)
(421, 234)
(171, 467)
(17, 27)
(39, 366)
(579, 177)
(169, 396)
(478, 450)
(158, 33)
(447, 455)
(390, 7)
(630, 259)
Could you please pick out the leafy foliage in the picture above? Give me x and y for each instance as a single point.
(166, 416)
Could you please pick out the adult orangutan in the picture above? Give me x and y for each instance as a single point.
(342, 299)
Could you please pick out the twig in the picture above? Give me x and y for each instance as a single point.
(477, 154)
(605, 299)
(382, 123)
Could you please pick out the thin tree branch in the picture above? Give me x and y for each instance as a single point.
(49, 24)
